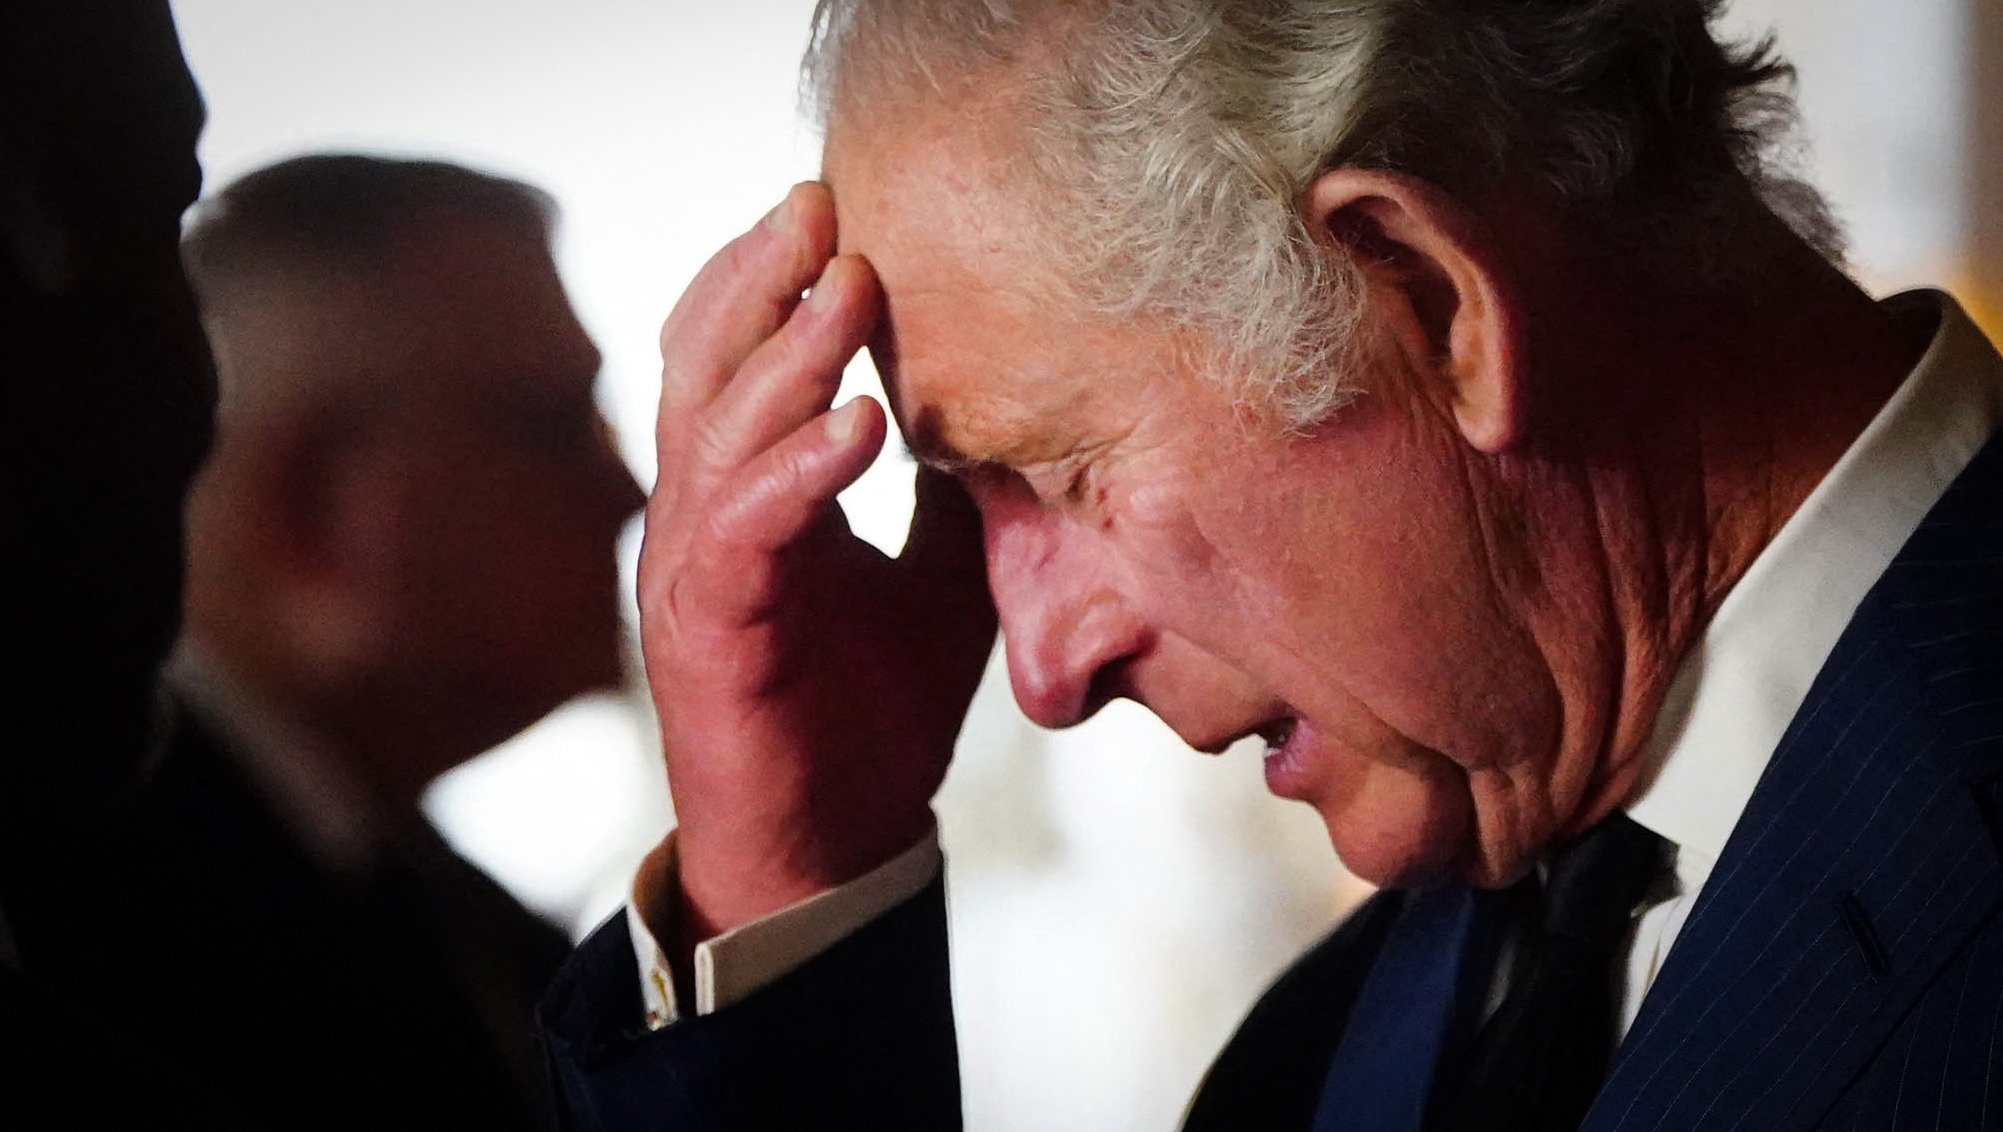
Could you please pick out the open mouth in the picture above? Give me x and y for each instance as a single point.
(1289, 771)
(1276, 735)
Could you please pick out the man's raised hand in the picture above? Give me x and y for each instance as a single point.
(810, 689)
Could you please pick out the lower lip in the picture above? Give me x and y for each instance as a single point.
(1287, 765)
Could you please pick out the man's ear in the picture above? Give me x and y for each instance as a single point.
(323, 527)
(288, 489)
(1440, 285)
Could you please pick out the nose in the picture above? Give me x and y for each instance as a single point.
(1067, 630)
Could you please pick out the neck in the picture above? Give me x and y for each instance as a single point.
(1731, 410)
(330, 721)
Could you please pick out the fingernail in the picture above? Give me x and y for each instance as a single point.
(823, 294)
(778, 220)
(845, 422)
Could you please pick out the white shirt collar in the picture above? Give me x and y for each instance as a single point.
(1736, 692)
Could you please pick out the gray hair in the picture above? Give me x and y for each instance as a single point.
(1175, 138)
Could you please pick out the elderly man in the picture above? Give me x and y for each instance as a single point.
(1451, 395)
(400, 553)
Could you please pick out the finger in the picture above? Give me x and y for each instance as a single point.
(795, 374)
(740, 298)
(725, 570)
(778, 496)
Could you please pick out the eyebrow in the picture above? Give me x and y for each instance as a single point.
(936, 454)
(926, 443)
(1000, 436)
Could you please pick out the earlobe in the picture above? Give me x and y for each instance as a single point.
(331, 543)
(267, 576)
(293, 495)
(1439, 286)
(323, 514)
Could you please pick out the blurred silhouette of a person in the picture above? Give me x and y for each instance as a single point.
(400, 554)
(107, 390)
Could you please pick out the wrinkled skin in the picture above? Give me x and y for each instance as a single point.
(1451, 610)
(809, 689)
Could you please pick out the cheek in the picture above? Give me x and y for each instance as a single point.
(1354, 579)
(1230, 554)
(1172, 565)
(1343, 644)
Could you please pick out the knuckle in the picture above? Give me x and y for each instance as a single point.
(710, 445)
(658, 570)
(740, 258)
(672, 604)
(794, 469)
(675, 375)
(796, 349)
(719, 530)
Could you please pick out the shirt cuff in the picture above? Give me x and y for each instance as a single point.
(752, 956)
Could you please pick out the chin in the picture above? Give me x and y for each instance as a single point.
(1406, 846)
(1394, 866)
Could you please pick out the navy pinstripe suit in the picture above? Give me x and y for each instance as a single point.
(1843, 968)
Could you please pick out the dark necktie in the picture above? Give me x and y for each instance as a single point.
(1536, 1065)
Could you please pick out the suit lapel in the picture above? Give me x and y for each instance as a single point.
(1867, 856)
(1430, 972)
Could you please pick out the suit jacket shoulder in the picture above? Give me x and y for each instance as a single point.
(193, 925)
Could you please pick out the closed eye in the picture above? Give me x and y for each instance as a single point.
(1061, 483)
(1067, 483)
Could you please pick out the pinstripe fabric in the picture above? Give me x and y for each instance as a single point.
(1844, 966)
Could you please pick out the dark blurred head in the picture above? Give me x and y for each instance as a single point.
(406, 532)
(107, 383)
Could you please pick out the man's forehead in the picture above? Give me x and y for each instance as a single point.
(919, 179)
(984, 373)
(917, 203)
